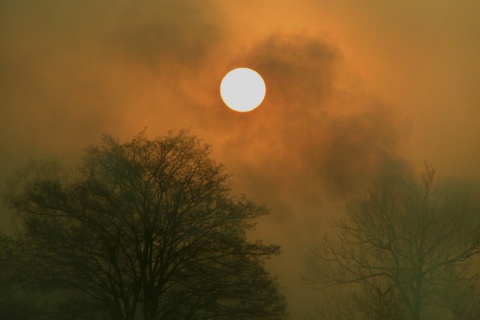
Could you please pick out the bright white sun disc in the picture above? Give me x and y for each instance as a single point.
(242, 89)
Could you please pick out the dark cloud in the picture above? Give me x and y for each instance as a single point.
(304, 137)
(298, 69)
(74, 70)
(70, 71)
(159, 34)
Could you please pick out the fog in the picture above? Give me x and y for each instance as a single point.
(356, 93)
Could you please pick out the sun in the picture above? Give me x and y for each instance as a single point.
(242, 89)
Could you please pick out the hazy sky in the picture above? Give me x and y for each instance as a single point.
(356, 91)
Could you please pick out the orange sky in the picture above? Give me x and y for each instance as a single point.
(356, 91)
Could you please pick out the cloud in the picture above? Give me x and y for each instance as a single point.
(72, 71)
(309, 134)
(159, 34)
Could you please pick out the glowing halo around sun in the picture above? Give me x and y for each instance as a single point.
(242, 89)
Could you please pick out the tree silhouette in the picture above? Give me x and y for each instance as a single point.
(145, 230)
(412, 239)
(367, 301)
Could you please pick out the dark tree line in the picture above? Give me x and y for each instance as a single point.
(141, 230)
(405, 251)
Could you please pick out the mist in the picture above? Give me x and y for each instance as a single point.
(355, 94)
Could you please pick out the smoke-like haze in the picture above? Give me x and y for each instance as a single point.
(354, 94)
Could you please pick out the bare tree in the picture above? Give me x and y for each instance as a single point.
(15, 301)
(410, 238)
(146, 230)
(333, 305)
(366, 301)
(374, 302)
(462, 296)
